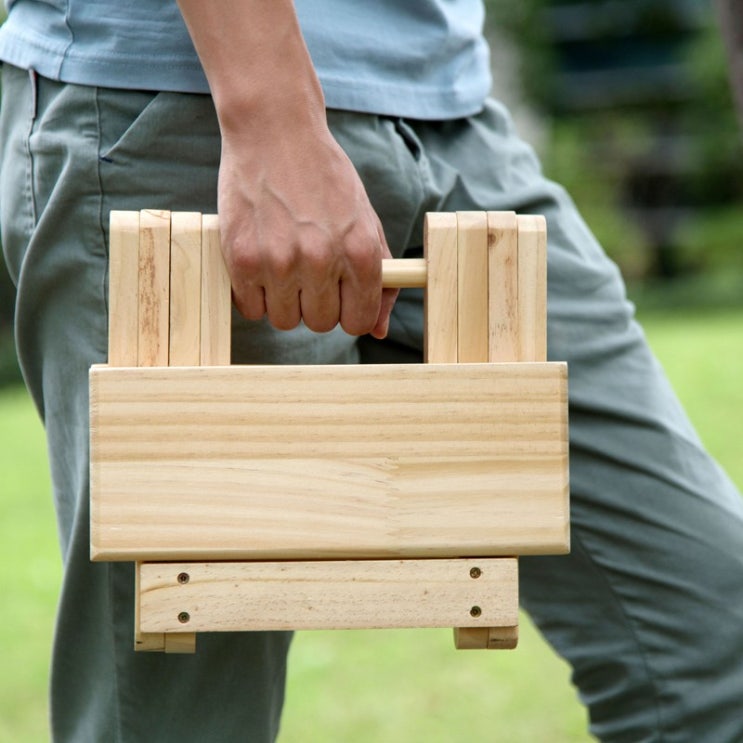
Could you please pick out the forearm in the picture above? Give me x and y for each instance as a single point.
(300, 238)
(255, 60)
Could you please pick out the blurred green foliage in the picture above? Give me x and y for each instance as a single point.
(658, 173)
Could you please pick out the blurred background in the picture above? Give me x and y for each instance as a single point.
(629, 105)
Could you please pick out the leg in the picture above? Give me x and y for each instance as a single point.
(648, 607)
(70, 154)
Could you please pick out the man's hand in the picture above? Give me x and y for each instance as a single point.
(300, 238)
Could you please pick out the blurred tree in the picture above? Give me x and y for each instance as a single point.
(730, 14)
(637, 91)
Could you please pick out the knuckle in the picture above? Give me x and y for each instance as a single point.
(320, 324)
(245, 261)
(281, 265)
(283, 320)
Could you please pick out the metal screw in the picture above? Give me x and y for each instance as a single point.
(184, 617)
(475, 611)
(183, 577)
(475, 573)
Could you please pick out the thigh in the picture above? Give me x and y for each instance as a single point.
(647, 608)
(73, 153)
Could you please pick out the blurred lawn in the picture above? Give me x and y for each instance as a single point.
(370, 687)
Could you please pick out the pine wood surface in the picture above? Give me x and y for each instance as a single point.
(233, 596)
(328, 469)
(315, 462)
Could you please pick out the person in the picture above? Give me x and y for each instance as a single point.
(323, 131)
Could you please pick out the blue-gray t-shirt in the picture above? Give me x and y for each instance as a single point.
(422, 59)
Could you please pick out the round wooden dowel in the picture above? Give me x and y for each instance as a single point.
(399, 273)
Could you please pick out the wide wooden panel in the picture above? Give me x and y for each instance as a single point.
(229, 596)
(328, 461)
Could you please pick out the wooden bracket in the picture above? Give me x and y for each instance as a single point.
(255, 498)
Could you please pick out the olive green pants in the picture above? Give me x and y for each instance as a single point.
(648, 607)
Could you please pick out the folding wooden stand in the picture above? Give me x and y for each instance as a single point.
(301, 497)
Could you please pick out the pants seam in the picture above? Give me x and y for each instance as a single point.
(101, 215)
(29, 184)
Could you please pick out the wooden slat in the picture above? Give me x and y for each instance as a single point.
(184, 344)
(123, 289)
(472, 287)
(317, 462)
(440, 311)
(154, 287)
(216, 300)
(504, 344)
(532, 248)
(480, 283)
(140, 316)
(185, 289)
(229, 596)
(123, 335)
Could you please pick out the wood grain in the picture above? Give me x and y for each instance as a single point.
(123, 289)
(354, 467)
(472, 287)
(230, 596)
(185, 289)
(216, 298)
(154, 288)
(532, 246)
(315, 462)
(503, 322)
(440, 310)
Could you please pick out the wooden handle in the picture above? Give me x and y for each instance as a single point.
(399, 273)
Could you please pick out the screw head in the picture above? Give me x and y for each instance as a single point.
(475, 611)
(475, 573)
(184, 617)
(183, 578)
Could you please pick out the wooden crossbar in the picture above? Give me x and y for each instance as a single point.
(256, 498)
(327, 594)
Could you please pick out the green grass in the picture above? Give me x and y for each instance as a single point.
(29, 571)
(390, 686)
(703, 357)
